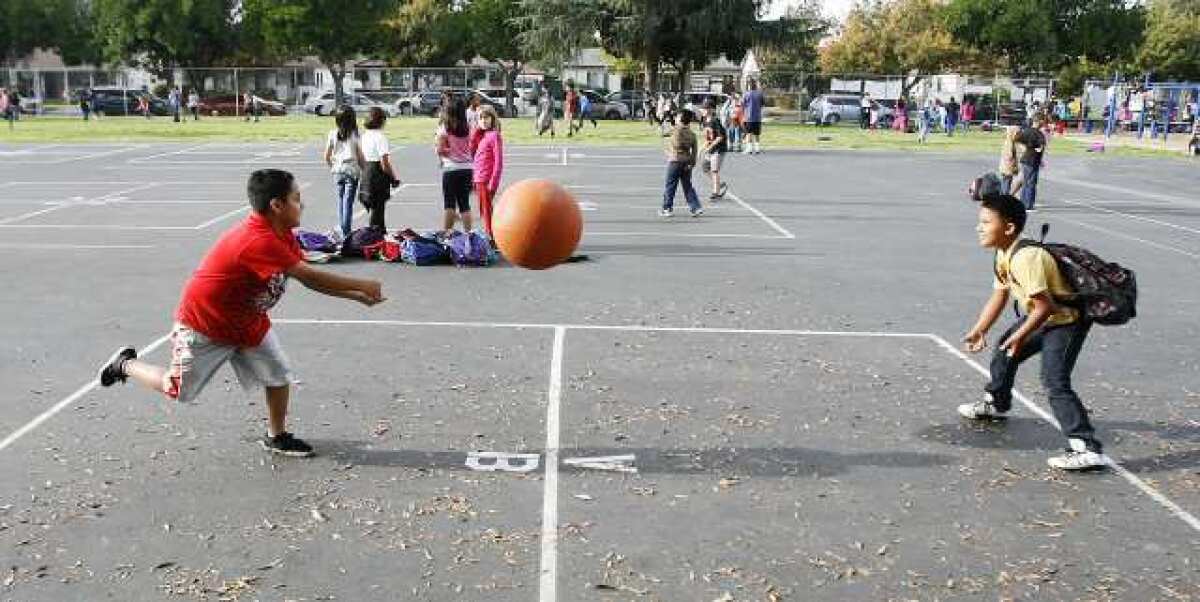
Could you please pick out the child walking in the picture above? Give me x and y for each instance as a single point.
(453, 147)
(681, 158)
(222, 314)
(1030, 274)
(488, 165)
(343, 155)
(715, 147)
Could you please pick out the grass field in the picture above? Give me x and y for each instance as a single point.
(412, 130)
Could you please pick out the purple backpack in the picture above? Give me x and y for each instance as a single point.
(315, 241)
(470, 249)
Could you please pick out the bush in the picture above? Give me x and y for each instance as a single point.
(161, 90)
(782, 101)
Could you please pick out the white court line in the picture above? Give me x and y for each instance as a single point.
(548, 590)
(8, 222)
(1129, 237)
(1133, 479)
(1123, 191)
(770, 222)
(96, 227)
(605, 166)
(68, 400)
(94, 155)
(167, 154)
(51, 246)
(221, 217)
(1131, 216)
(689, 235)
(1141, 485)
(564, 155)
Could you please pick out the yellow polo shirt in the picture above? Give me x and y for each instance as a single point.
(1034, 271)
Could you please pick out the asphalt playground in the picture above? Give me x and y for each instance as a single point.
(757, 404)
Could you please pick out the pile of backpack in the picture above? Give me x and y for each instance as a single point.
(466, 249)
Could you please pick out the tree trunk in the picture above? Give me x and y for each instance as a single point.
(908, 86)
(338, 70)
(651, 59)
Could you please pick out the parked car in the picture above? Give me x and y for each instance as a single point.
(230, 104)
(361, 103)
(431, 100)
(829, 109)
(634, 99)
(694, 101)
(124, 101)
(603, 108)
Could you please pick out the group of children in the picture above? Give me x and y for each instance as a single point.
(467, 143)
(222, 314)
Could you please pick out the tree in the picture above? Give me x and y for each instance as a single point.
(496, 29)
(1047, 34)
(901, 37)
(553, 31)
(1172, 44)
(62, 25)
(160, 35)
(791, 42)
(426, 32)
(335, 31)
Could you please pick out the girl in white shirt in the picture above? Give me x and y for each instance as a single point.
(379, 176)
(343, 155)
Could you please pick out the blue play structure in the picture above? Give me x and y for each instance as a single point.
(1157, 107)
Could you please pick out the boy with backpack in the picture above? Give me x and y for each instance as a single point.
(222, 314)
(1029, 273)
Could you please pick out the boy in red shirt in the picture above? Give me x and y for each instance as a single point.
(222, 315)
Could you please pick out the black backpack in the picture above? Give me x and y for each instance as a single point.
(1105, 293)
(984, 186)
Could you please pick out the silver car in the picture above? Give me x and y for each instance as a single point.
(361, 103)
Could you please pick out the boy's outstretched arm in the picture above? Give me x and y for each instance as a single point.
(976, 338)
(367, 292)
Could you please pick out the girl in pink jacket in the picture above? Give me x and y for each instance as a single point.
(488, 163)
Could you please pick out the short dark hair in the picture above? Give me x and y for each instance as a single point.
(1008, 207)
(686, 116)
(375, 118)
(266, 185)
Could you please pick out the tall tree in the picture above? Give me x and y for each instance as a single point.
(1047, 34)
(553, 31)
(426, 32)
(791, 42)
(496, 29)
(160, 35)
(901, 37)
(335, 31)
(61, 25)
(1171, 49)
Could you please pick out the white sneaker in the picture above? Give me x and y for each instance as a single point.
(1078, 457)
(665, 213)
(980, 410)
(697, 212)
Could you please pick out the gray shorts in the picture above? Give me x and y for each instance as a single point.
(715, 160)
(195, 359)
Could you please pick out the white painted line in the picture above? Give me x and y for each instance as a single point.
(1131, 216)
(1122, 191)
(181, 151)
(689, 235)
(94, 155)
(222, 217)
(501, 461)
(76, 184)
(548, 590)
(608, 327)
(1129, 237)
(68, 400)
(610, 463)
(564, 155)
(1133, 479)
(96, 227)
(23, 217)
(51, 246)
(770, 222)
(607, 167)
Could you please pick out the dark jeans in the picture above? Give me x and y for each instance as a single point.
(1029, 175)
(1059, 346)
(680, 172)
(864, 118)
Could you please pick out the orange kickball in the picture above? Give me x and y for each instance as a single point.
(537, 224)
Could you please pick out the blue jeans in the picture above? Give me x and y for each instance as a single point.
(346, 187)
(1060, 347)
(1029, 174)
(680, 172)
(1006, 184)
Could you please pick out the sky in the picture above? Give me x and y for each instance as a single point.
(836, 9)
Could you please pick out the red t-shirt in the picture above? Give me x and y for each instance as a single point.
(240, 278)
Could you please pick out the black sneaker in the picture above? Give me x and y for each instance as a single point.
(111, 371)
(286, 444)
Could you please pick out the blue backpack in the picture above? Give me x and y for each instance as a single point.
(470, 249)
(423, 251)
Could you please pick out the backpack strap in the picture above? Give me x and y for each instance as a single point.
(1021, 244)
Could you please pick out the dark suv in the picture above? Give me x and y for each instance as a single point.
(116, 101)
